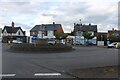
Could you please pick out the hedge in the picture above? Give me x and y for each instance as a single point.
(40, 48)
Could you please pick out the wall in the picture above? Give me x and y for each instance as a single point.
(21, 33)
(80, 40)
(100, 43)
(59, 28)
(5, 33)
(40, 34)
(50, 34)
(33, 33)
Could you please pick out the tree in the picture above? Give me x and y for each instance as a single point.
(71, 34)
(87, 36)
(114, 38)
(59, 36)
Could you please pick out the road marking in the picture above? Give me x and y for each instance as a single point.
(7, 75)
(47, 74)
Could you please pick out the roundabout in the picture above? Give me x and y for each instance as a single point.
(36, 48)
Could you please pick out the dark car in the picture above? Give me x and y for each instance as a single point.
(89, 43)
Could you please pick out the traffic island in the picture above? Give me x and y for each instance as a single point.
(37, 48)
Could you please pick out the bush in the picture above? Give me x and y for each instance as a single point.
(41, 48)
(41, 41)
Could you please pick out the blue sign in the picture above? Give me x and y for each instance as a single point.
(34, 38)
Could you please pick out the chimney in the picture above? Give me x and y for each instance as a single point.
(12, 24)
(112, 29)
(74, 24)
(53, 22)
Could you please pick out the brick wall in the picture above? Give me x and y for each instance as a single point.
(60, 29)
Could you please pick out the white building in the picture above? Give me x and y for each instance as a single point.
(80, 28)
(10, 33)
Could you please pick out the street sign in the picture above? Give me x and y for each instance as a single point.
(34, 38)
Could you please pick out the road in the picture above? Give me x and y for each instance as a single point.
(25, 65)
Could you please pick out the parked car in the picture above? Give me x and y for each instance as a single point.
(16, 42)
(51, 41)
(89, 43)
(113, 45)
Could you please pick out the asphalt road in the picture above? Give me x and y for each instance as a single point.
(25, 65)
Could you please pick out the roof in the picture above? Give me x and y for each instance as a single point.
(45, 27)
(80, 27)
(118, 31)
(113, 32)
(10, 29)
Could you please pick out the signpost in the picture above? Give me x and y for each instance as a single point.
(34, 38)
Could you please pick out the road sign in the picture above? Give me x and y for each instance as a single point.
(34, 38)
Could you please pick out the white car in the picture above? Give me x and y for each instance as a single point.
(16, 42)
(113, 45)
(51, 41)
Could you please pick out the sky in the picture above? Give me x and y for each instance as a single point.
(28, 13)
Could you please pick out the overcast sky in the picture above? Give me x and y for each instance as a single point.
(28, 13)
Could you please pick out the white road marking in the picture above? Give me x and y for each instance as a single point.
(47, 74)
(7, 75)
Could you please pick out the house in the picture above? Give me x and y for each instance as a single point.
(102, 38)
(46, 31)
(10, 33)
(115, 33)
(80, 28)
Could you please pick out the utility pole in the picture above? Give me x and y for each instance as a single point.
(80, 32)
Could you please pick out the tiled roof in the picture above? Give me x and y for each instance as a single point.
(45, 27)
(113, 31)
(10, 29)
(80, 27)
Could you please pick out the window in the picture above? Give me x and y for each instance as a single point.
(79, 33)
(19, 33)
(33, 33)
(5, 33)
(45, 33)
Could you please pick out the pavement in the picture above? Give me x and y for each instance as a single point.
(43, 65)
(98, 72)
